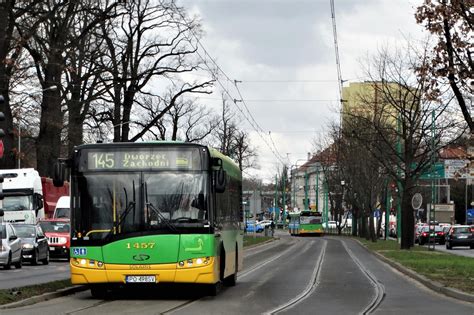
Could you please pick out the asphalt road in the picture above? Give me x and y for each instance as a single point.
(320, 275)
(461, 250)
(29, 274)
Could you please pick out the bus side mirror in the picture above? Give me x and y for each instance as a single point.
(220, 180)
(220, 176)
(58, 174)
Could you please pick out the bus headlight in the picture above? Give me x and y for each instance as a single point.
(87, 263)
(195, 262)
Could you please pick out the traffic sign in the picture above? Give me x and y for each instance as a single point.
(416, 201)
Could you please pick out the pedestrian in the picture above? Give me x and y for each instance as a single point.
(272, 226)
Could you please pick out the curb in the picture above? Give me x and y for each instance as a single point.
(45, 296)
(261, 244)
(433, 285)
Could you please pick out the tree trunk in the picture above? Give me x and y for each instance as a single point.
(8, 160)
(48, 144)
(408, 220)
(75, 124)
(355, 220)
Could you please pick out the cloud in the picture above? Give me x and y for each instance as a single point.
(284, 41)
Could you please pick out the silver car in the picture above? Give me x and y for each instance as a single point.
(10, 247)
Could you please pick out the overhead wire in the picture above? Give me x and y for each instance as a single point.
(251, 121)
(336, 51)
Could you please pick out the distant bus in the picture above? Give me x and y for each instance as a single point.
(307, 222)
(125, 224)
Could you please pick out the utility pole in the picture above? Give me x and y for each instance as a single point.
(276, 196)
(317, 190)
(387, 208)
(431, 240)
(399, 186)
(284, 198)
(326, 205)
(306, 205)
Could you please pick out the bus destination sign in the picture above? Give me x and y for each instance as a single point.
(141, 159)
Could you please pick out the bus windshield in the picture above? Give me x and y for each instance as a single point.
(117, 203)
(310, 220)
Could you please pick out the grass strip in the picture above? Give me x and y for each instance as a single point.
(17, 294)
(251, 240)
(448, 269)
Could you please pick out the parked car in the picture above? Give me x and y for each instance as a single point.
(460, 235)
(57, 232)
(330, 224)
(265, 223)
(34, 243)
(418, 229)
(252, 226)
(10, 247)
(425, 235)
(63, 209)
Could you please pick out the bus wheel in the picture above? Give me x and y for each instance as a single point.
(214, 289)
(222, 264)
(231, 280)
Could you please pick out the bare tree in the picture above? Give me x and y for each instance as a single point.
(450, 21)
(147, 41)
(245, 154)
(157, 114)
(47, 31)
(225, 133)
(82, 80)
(10, 50)
(404, 127)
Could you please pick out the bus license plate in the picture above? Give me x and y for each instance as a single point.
(140, 279)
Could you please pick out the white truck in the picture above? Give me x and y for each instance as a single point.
(22, 195)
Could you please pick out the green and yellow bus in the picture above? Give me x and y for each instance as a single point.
(306, 222)
(124, 227)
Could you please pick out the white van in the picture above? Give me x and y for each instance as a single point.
(63, 208)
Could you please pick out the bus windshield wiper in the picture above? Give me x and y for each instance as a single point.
(131, 205)
(157, 211)
(162, 217)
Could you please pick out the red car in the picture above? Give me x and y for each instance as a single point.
(59, 238)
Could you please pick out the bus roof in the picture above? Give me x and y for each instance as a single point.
(227, 163)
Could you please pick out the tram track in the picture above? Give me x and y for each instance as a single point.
(243, 274)
(379, 289)
(103, 302)
(310, 288)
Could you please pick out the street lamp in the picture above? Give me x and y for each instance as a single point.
(49, 88)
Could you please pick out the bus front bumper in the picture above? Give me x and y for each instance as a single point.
(87, 273)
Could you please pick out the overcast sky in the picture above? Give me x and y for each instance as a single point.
(267, 44)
